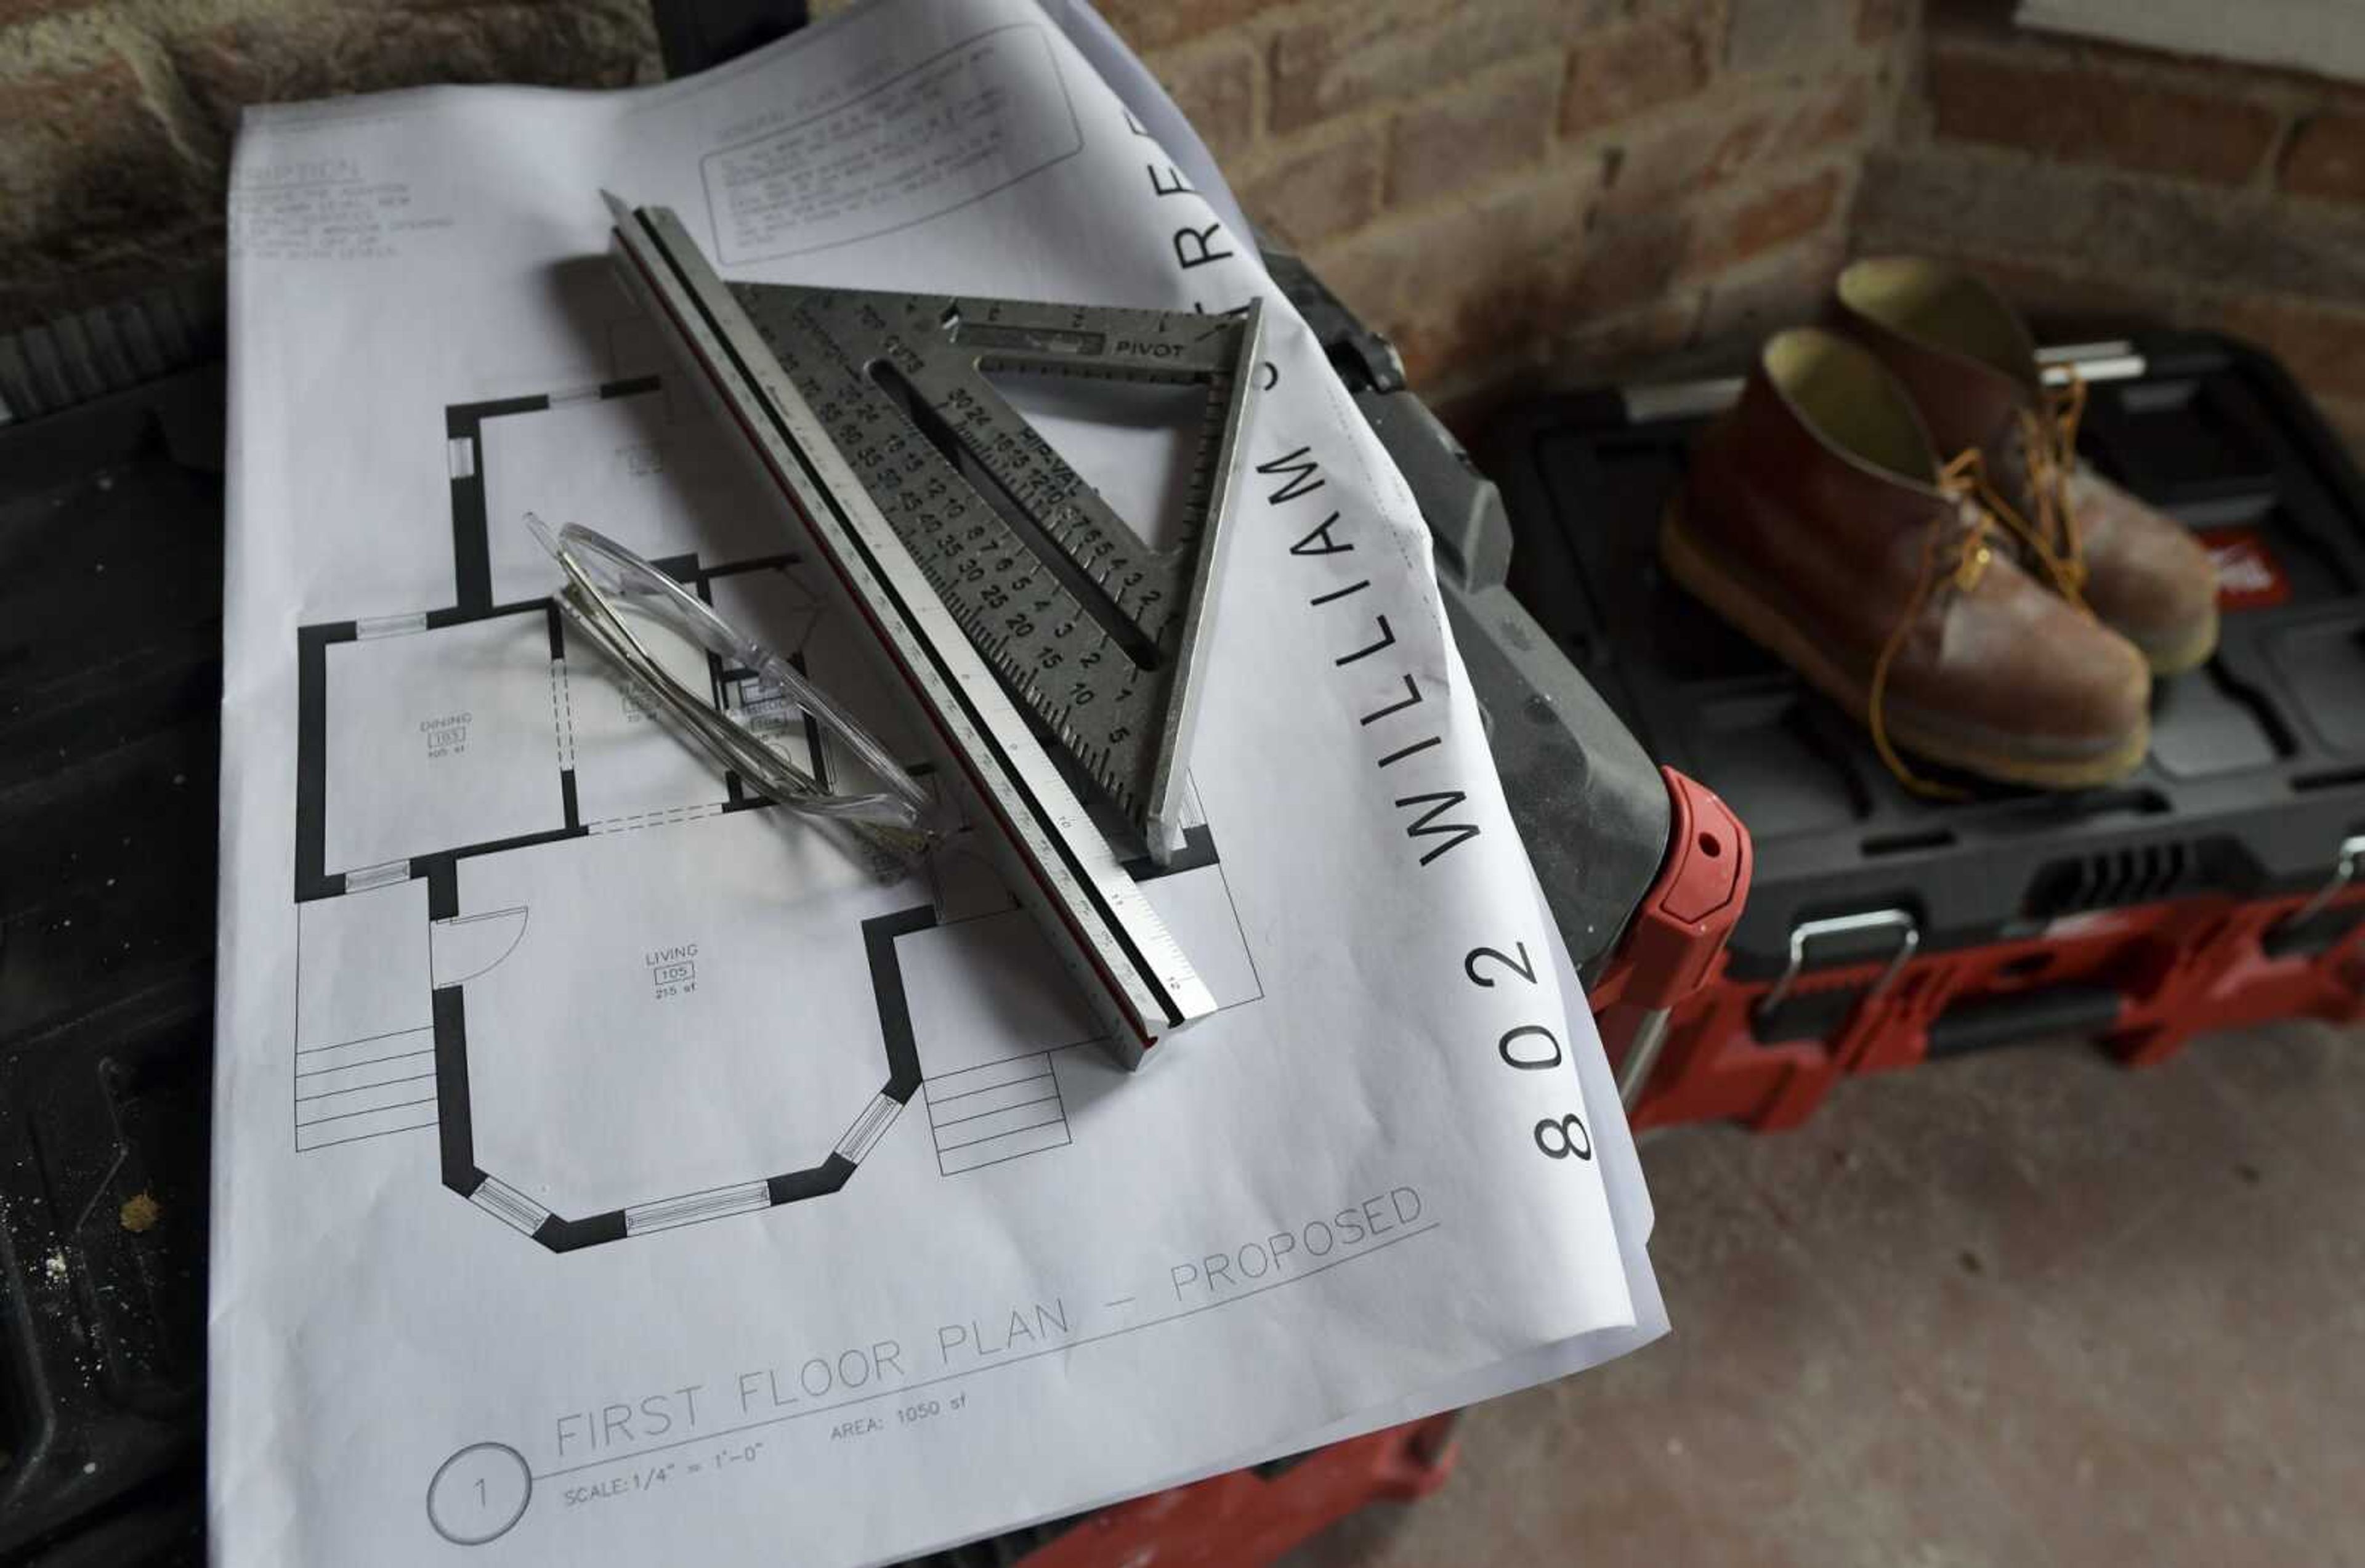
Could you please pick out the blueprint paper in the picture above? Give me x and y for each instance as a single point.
(607, 1171)
(1629, 1205)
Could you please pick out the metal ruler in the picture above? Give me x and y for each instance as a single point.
(1025, 617)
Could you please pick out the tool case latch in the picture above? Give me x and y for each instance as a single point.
(1674, 934)
(1901, 921)
(2344, 866)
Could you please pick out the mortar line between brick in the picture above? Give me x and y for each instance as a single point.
(2003, 160)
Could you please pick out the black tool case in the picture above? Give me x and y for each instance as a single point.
(110, 640)
(2255, 789)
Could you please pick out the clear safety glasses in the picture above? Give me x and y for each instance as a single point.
(605, 582)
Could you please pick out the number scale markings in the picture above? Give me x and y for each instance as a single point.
(1083, 619)
(887, 451)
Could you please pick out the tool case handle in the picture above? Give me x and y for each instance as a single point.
(1677, 932)
(1983, 1025)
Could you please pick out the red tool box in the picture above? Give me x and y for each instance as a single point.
(2223, 883)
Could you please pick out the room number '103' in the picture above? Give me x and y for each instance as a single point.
(1529, 1048)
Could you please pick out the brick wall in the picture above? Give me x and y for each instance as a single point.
(1519, 191)
(1524, 190)
(115, 115)
(1508, 186)
(2099, 183)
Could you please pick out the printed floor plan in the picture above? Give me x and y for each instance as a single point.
(498, 928)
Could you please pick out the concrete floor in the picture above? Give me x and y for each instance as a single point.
(2026, 1307)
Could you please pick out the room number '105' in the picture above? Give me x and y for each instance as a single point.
(1531, 1048)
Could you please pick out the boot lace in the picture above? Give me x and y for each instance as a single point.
(2048, 447)
(1958, 558)
(1953, 558)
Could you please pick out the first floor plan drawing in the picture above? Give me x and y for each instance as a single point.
(610, 1167)
(500, 939)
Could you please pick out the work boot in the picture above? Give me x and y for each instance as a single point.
(1967, 360)
(1817, 517)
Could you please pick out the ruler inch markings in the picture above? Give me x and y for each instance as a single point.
(910, 535)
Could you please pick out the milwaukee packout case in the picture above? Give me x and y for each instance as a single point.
(2223, 883)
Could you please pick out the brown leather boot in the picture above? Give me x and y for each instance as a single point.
(1968, 363)
(1816, 519)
